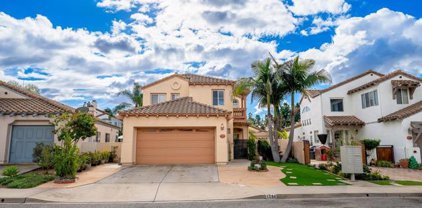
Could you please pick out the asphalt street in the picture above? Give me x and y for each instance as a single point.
(270, 203)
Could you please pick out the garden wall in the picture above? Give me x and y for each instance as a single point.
(298, 150)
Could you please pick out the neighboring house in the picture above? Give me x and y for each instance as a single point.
(108, 128)
(186, 119)
(25, 119)
(103, 115)
(370, 105)
(258, 132)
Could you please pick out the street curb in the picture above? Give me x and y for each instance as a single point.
(268, 196)
(336, 195)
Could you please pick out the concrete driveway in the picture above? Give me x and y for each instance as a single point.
(164, 174)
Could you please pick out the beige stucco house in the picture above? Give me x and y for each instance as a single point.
(186, 119)
(25, 119)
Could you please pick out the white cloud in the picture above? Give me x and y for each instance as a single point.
(312, 7)
(384, 41)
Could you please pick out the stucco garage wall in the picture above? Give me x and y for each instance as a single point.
(130, 124)
(6, 123)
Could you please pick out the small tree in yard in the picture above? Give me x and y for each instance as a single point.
(70, 128)
(251, 146)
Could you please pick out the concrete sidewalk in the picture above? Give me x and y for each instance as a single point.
(156, 192)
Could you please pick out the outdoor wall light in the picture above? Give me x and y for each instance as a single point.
(222, 127)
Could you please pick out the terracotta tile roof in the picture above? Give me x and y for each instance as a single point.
(27, 106)
(343, 121)
(207, 80)
(194, 79)
(403, 113)
(313, 93)
(34, 104)
(382, 79)
(184, 106)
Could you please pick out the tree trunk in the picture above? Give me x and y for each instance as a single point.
(292, 130)
(274, 145)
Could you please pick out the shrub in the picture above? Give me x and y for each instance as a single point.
(257, 166)
(66, 160)
(371, 144)
(46, 157)
(83, 161)
(384, 163)
(25, 181)
(113, 154)
(251, 148)
(292, 160)
(264, 149)
(322, 166)
(10, 171)
(413, 164)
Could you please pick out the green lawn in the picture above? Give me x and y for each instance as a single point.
(409, 183)
(303, 175)
(28, 180)
(382, 182)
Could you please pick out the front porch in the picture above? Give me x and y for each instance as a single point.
(342, 130)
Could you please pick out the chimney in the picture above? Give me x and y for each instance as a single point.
(92, 107)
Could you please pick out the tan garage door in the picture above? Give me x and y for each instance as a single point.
(175, 146)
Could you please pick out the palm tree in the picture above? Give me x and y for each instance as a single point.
(297, 77)
(135, 95)
(264, 81)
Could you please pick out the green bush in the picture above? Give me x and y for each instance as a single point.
(251, 148)
(383, 163)
(45, 158)
(264, 149)
(83, 161)
(322, 166)
(66, 159)
(413, 164)
(371, 144)
(292, 160)
(113, 154)
(257, 166)
(10, 171)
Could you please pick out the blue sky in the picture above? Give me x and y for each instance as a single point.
(91, 49)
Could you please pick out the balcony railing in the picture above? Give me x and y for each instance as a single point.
(239, 114)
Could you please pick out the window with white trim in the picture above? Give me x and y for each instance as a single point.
(218, 97)
(158, 98)
(369, 99)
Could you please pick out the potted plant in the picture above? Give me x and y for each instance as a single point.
(404, 163)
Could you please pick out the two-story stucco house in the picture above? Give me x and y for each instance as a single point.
(370, 105)
(186, 119)
(26, 119)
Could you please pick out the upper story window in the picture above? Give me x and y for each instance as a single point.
(336, 105)
(107, 137)
(158, 98)
(306, 109)
(236, 103)
(402, 96)
(369, 99)
(175, 96)
(218, 97)
(98, 137)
